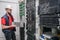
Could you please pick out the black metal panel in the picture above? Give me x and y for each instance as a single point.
(49, 20)
(48, 6)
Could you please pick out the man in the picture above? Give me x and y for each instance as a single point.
(6, 22)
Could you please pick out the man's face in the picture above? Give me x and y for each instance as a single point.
(9, 11)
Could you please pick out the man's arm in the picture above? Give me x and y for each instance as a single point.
(5, 27)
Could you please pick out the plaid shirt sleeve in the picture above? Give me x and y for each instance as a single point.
(3, 21)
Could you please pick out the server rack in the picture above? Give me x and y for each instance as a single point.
(30, 18)
(49, 14)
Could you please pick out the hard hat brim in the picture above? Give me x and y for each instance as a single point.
(8, 8)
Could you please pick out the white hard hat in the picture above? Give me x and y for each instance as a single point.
(9, 7)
